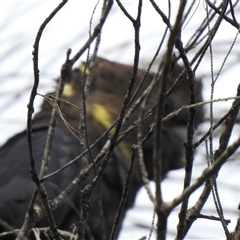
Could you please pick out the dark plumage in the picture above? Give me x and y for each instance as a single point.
(108, 88)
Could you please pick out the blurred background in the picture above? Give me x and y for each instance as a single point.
(19, 23)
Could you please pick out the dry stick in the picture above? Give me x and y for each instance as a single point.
(189, 141)
(95, 33)
(201, 53)
(229, 20)
(25, 228)
(176, 46)
(151, 63)
(189, 155)
(87, 87)
(144, 98)
(196, 36)
(212, 34)
(162, 215)
(206, 175)
(83, 133)
(25, 231)
(141, 142)
(83, 119)
(215, 126)
(82, 127)
(236, 233)
(224, 139)
(191, 118)
(124, 195)
(230, 120)
(36, 231)
(232, 11)
(87, 191)
(65, 75)
(189, 10)
(183, 212)
(213, 180)
(213, 218)
(189, 131)
(194, 40)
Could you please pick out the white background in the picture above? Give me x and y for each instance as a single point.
(19, 23)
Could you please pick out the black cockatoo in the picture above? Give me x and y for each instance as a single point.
(103, 102)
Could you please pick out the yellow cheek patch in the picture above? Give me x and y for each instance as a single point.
(68, 90)
(102, 116)
(83, 68)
